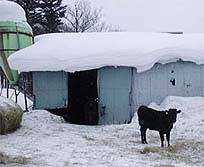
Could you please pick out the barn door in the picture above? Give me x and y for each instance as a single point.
(114, 95)
(50, 90)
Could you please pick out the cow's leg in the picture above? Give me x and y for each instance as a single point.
(162, 138)
(145, 140)
(143, 134)
(168, 138)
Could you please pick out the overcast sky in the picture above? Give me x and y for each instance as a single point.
(154, 15)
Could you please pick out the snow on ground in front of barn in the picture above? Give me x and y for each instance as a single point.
(48, 141)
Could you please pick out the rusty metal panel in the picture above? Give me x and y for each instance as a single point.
(14, 36)
(25, 41)
(10, 41)
(1, 41)
(13, 27)
(14, 42)
(3, 60)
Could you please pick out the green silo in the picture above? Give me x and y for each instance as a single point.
(14, 35)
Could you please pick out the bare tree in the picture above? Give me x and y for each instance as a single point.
(81, 18)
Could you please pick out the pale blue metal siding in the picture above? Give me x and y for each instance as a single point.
(175, 77)
(193, 77)
(122, 90)
(158, 83)
(114, 95)
(50, 90)
(171, 79)
(202, 80)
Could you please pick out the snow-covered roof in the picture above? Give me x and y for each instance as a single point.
(11, 11)
(83, 51)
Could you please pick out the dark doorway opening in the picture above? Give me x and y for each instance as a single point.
(83, 98)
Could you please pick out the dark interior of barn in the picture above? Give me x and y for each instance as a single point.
(82, 98)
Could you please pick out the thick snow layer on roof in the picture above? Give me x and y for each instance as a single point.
(75, 52)
(11, 11)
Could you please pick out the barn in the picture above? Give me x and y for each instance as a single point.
(102, 78)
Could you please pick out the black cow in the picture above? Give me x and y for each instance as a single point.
(161, 121)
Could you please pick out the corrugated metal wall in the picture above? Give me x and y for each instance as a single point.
(50, 90)
(122, 90)
(176, 79)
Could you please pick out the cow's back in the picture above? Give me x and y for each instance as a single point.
(145, 114)
(149, 118)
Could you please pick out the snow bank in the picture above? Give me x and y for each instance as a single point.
(76, 52)
(11, 11)
(191, 120)
(48, 141)
(181, 103)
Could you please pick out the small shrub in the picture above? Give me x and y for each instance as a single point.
(88, 138)
(172, 149)
(6, 159)
(164, 165)
(147, 150)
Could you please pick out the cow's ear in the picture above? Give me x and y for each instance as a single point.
(178, 111)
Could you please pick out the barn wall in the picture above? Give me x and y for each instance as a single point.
(50, 90)
(114, 95)
(176, 79)
(122, 90)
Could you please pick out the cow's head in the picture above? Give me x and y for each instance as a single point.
(172, 114)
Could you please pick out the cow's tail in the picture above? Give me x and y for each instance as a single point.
(140, 116)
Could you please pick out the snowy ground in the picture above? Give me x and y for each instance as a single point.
(46, 140)
(20, 99)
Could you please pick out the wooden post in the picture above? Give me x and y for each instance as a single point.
(7, 88)
(4, 81)
(26, 104)
(16, 96)
(25, 97)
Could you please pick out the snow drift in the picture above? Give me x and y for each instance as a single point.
(84, 51)
(47, 141)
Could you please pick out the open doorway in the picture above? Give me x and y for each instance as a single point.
(82, 97)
